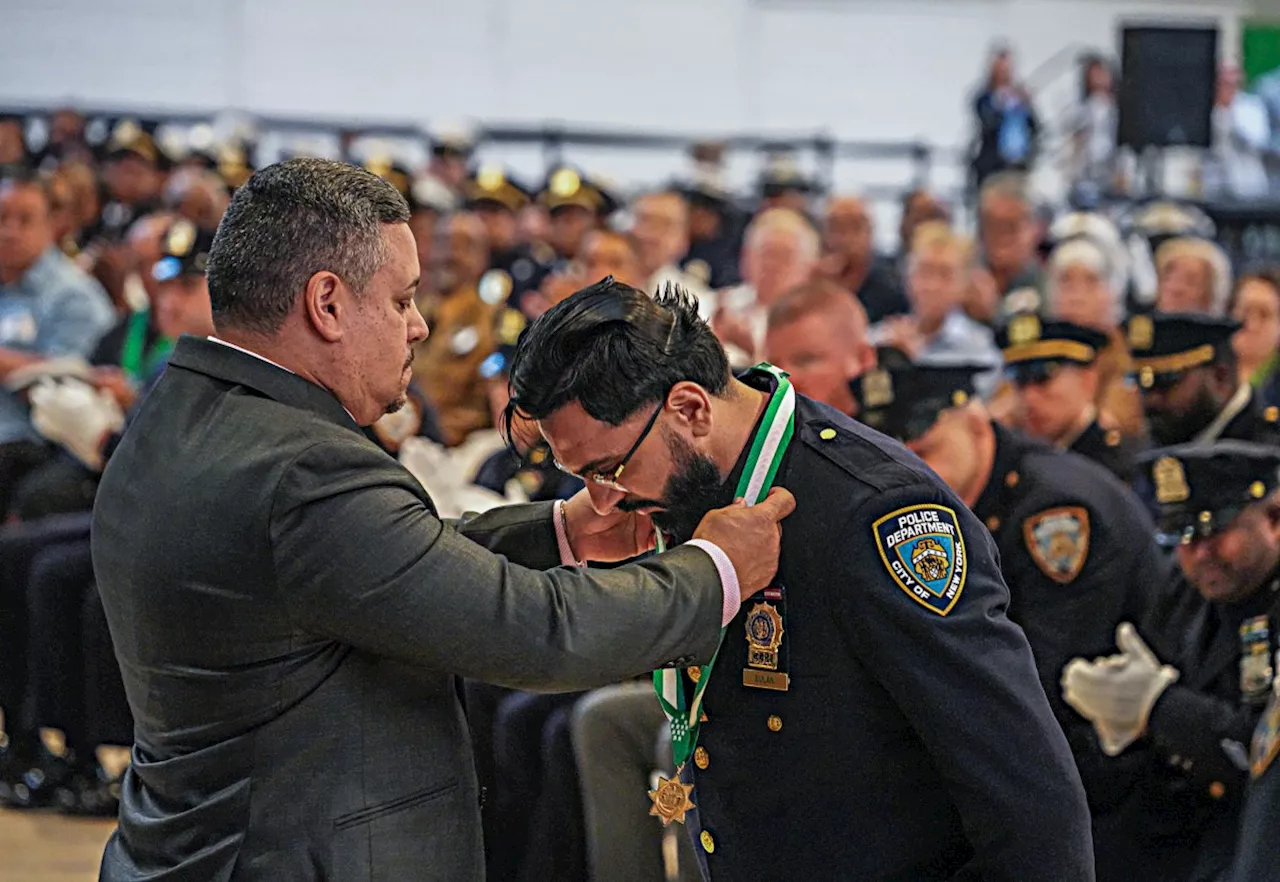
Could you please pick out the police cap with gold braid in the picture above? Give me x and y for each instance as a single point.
(1034, 348)
(491, 185)
(1165, 345)
(566, 187)
(904, 400)
(1196, 490)
(185, 252)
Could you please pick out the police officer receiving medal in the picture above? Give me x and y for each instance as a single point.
(873, 714)
(1192, 688)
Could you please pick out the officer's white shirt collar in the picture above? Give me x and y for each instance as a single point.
(222, 342)
(1229, 413)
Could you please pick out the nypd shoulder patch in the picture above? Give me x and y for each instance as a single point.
(1058, 540)
(923, 551)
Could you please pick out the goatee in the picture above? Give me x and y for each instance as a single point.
(694, 488)
(1178, 428)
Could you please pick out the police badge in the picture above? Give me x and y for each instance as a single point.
(1058, 540)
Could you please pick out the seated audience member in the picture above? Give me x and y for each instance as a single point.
(1009, 233)
(661, 234)
(1053, 366)
(199, 196)
(937, 329)
(715, 231)
(851, 262)
(818, 334)
(48, 308)
(780, 251)
(1191, 390)
(1083, 287)
(461, 320)
(1193, 275)
(1256, 305)
(919, 206)
(83, 420)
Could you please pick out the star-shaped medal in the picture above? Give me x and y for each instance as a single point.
(671, 800)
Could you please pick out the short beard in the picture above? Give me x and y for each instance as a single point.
(1173, 428)
(694, 488)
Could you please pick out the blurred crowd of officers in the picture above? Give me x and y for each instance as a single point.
(1129, 342)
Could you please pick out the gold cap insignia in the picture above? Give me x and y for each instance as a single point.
(1170, 480)
(182, 235)
(1146, 378)
(1257, 489)
(877, 388)
(1024, 329)
(565, 183)
(959, 398)
(510, 326)
(490, 178)
(1142, 332)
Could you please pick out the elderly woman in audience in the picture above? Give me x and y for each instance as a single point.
(1255, 303)
(1083, 286)
(1193, 275)
(780, 251)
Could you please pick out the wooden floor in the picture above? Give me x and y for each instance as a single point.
(48, 847)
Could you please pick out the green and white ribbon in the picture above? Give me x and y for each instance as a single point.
(767, 449)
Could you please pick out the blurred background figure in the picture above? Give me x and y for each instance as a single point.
(1094, 129)
(1241, 137)
(1008, 129)
(850, 260)
(1255, 304)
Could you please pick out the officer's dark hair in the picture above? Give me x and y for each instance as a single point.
(613, 348)
(290, 221)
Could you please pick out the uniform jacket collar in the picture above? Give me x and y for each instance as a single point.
(241, 368)
(1004, 475)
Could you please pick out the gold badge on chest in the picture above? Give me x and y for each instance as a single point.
(764, 633)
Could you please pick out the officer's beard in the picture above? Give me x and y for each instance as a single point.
(694, 488)
(1168, 427)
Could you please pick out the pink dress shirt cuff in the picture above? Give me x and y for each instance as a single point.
(728, 578)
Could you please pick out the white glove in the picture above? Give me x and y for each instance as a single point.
(76, 416)
(1117, 693)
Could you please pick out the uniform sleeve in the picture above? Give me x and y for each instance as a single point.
(361, 559)
(1197, 727)
(927, 616)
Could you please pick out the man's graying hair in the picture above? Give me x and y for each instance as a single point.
(287, 223)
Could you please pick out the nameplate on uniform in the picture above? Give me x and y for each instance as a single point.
(774, 680)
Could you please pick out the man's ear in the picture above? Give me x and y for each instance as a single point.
(325, 301)
(691, 405)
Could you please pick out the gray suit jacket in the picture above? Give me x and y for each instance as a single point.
(290, 617)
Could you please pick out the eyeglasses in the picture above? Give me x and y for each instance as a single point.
(610, 478)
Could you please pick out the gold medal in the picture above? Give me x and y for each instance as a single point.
(671, 800)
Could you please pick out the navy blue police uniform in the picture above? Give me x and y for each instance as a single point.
(1201, 726)
(1076, 550)
(1167, 345)
(1035, 350)
(1258, 846)
(857, 723)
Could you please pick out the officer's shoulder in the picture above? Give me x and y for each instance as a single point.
(871, 459)
(1050, 477)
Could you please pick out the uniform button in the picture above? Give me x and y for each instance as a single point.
(695, 674)
(775, 723)
(703, 718)
(708, 844)
(1217, 790)
(827, 434)
(993, 523)
(1175, 760)
(1012, 479)
(1113, 438)
(701, 758)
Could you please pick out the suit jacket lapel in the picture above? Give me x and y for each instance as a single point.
(238, 368)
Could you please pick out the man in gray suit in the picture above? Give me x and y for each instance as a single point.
(290, 615)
